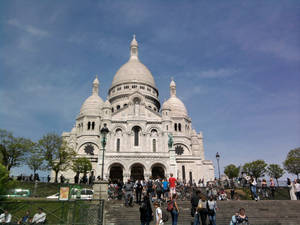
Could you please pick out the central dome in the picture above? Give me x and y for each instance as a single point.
(133, 70)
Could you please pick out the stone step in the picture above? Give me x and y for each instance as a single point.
(261, 213)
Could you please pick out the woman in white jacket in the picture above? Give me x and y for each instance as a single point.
(291, 186)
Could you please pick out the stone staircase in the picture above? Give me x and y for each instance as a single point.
(269, 212)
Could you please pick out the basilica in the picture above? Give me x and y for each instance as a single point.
(139, 130)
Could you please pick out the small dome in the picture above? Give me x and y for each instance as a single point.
(166, 105)
(92, 106)
(175, 104)
(177, 107)
(107, 104)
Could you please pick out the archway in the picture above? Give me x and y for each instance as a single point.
(116, 172)
(158, 171)
(137, 172)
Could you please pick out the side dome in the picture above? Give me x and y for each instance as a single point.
(133, 70)
(174, 103)
(93, 104)
(166, 105)
(177, 107)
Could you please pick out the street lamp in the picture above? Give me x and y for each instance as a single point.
(218, 158)
(104, 131)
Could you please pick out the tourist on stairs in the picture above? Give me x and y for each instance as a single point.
(146, 213)
(239, 218)
(175, 211)
(211, 210)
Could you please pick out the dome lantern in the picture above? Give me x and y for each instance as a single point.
(134, 48)
(96, 86)
(172, 88)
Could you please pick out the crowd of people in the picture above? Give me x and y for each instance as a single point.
(38, 218)
(158, 200)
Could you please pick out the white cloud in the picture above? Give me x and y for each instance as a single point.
(28, 28)
(217, 73)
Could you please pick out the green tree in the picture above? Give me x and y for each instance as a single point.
(13, 149)
(35, 160)
(256, 168)
(292, 162)
(81, 165)
(232, 171)
(275, 171)
(57, 154)
(6, 182)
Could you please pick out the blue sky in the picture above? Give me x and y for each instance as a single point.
(236, 65)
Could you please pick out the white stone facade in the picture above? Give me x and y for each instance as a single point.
(137, 144)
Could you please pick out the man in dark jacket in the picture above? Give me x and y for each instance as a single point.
(194, 202)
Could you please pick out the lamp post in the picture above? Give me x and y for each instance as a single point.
(218, 158)
(104, 131)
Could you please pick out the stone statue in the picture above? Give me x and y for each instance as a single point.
(170, 141)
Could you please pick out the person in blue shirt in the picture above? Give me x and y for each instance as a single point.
(165, 189)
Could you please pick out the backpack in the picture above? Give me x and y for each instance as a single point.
(165, 216)
(170, 206)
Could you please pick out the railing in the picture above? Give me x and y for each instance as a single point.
(77, 212)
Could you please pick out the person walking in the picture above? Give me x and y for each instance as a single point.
(291, 186)
(172, 184)
(175, 211)
(146, 213)
(253, 184)
(159, 188)
(128, 189)
(150, 190)
(297, 189)
(158, 214)
(272, 188)
(165, 189)
(201, 212)
(138, 191)
(211, 210)
(194, 202)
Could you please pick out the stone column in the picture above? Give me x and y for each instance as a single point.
(100, 189)
(173, 164)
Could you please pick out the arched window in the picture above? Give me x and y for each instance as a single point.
(93, 125)
(179, 127)
(112, 109)
(118, 107)
(118, 144)
(175, 126)
(89, 125)
(125, 105)
(154, 145)
(167, 127)
(136, 131)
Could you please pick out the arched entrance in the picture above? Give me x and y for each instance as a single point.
(158, 171)
(116, 172)
(137, 172)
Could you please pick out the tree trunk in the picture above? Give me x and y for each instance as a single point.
(56, 175)
(277, 182)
